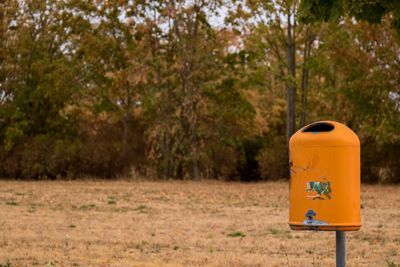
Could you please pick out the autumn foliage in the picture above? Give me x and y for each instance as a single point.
(187, 89)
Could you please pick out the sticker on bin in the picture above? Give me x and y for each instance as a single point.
(322, 189)
(310, 220)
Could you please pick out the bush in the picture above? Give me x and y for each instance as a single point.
(100, 153)
(273, 159)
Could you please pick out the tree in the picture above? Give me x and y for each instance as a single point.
(371, 11)
(114, 67)
(106, 87)
(191, 90)
(40, 82)
(358, 64)
(282, 48)
(277, 22)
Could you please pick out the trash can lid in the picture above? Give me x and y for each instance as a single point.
(325, 133)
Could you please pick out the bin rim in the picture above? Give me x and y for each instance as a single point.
(305, 128)
(339, 132)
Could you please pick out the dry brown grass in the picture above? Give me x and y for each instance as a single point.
(121, 223)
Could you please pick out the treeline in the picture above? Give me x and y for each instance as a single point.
(187, 89)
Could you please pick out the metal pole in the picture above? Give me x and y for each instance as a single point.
(340, 249)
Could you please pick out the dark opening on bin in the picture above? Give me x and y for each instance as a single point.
(319, 127)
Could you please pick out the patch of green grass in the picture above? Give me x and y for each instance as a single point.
(32, 209)
(393, 252)
(392, 264)
(140, 246)
(280, 232)
(274, 231)
(121, 209)
(156, 248)
(143, 208)
(87, 207)
(11, 203)
(236, 234)
(7, 264)
(111, 202)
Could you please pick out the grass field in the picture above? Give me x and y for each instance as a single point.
(122, 223)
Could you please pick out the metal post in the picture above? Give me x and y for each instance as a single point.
(340, 249)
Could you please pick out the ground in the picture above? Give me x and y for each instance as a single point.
(137, 223)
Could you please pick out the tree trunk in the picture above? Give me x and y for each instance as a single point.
(195, 162)
(309, 39)
(189, 65)
(167, 156)
(291, 81)
(192, 113)
(125, 134)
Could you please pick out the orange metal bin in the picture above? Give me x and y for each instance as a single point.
(325, 178)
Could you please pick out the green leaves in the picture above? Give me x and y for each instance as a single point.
(312, 11)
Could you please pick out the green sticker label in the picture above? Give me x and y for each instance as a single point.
(321, 190)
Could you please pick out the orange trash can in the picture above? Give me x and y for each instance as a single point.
(325, 178)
